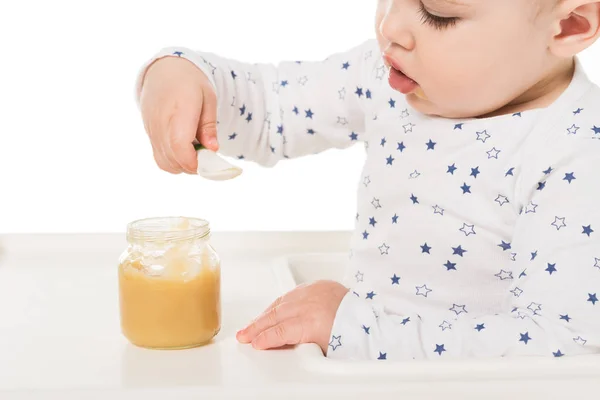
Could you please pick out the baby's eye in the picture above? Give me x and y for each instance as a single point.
(436, 21)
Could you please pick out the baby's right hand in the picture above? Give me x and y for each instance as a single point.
(178, 105)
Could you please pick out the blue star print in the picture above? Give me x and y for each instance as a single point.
(481, 231)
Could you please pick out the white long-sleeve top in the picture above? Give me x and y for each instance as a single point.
(473, 238)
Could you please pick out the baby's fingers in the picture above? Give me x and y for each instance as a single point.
(269, 319)
(288, 332)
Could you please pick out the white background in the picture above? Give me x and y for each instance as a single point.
(73, 153)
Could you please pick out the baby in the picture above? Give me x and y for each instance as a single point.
(478, 224)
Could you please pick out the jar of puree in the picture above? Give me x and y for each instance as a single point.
(169, 284)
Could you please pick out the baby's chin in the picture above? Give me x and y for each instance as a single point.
(419, 101)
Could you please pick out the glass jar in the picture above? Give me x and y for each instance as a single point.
(169, 284)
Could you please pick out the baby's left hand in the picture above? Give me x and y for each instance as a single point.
(304, 315)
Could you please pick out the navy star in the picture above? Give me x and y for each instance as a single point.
(480, 327)
(523, 274)
(178, 53)
(439, 348)
(548, 171)
(458, 126)
(578, 111)
(395, 280)
(558, 353)
(346, 65)
(430, 145)
(466, 188)
(233, 74)
(383, 142)
(458, 251)
(596, 130)
(450, 266)
(569, 177)
(359, 92)
(353, 136)
(518, 114)
(510, 172)
(280, 129)
(272, 149)
(592, 298)
(242, 110)
(249, 117)
(296, 111)
(525, 337)
(395, 219)
(541, 186)
(587, 230)
(365, 235)
(309, 113)
(390, 160)
(284, 83)
(566, 317)
(475, 172)
(392, 103)
(551, 268)
(366, 329)
(368, 94)
(310, 131)
(401, 147)
(425, 249)
(505, 246)
(451, 169)
(336, 341)
(232, 136)
(414, 199)
(382, 356)
(372, 221)
(533, 255)
(405, 321)
(240, 157)
(370, 295)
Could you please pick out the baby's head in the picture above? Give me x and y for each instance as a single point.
(474, 58)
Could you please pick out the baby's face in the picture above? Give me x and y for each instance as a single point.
(468, 57)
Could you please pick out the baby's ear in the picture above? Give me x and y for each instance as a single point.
(577, 27)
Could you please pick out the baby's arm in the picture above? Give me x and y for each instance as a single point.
(553, 304)
(266, 112)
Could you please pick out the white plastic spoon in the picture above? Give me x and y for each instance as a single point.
(214, 167)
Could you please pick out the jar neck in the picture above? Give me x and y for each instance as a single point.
(166, 230)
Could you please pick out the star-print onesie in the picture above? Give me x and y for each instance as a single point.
(473, 238)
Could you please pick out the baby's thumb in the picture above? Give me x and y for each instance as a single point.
(207, 128)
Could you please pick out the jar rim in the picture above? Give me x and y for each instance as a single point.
(168, 228)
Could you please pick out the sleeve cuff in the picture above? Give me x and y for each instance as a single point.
(351, 332)
(194, 57)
